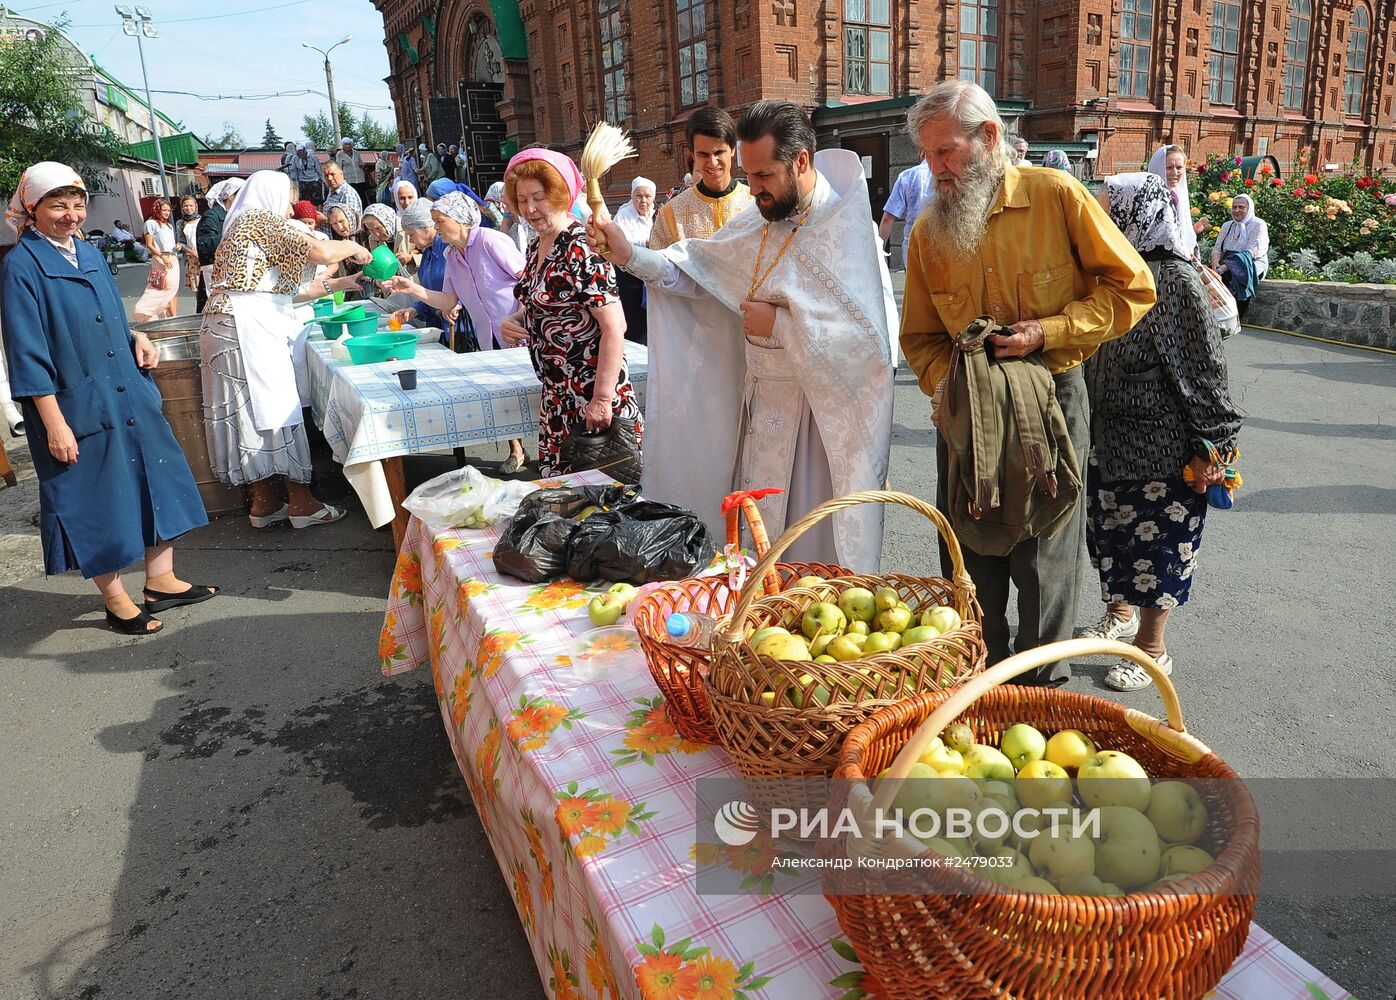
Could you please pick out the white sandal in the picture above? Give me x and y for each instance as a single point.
(325, 515)
(1126, 675)
(266, 521)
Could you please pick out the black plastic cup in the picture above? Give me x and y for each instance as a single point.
(407, 378)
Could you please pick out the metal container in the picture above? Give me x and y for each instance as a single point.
(181, 385)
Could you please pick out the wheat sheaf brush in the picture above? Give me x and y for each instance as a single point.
(605, 147)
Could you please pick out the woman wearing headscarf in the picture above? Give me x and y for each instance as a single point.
(381, 228)
(114, 486)
(159, 299)
(209, 233)
(1158, 396)
(1242, 253)
(419, 225)
(186, 229)
(344, 225)
(1170, 164)
(383, 191)
(1057, 160)
(482, 267)
(252, 409)
(303, 214)
(571, 315)
(404, 194)
(636, 217)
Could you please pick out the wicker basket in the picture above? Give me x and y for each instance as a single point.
(678, 670)
(963, 941)
(786, 754)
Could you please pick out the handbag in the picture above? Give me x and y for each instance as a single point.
(1221, 302)
(615, 450)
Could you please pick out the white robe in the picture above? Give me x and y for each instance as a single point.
(812, 404)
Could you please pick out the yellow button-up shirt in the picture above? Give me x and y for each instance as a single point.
(1050, 253)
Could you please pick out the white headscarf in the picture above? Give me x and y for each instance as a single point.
(1141, 207)
(266, 189)
(496, 192)
(224, 189)
(1182, 203)
(636, 226)
(34, 183)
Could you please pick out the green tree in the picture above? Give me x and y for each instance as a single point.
(375, 136)
(318, 130)
(43, 115)
(230, 139)
(270, 140)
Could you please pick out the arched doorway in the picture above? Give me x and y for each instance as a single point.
(480, 90)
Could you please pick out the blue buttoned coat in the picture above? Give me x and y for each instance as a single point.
(66, 335)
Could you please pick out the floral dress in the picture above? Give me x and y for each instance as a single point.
(564, 339)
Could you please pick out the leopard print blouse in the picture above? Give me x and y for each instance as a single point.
(256, 242)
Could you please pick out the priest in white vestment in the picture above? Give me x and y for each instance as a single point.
(770, 346)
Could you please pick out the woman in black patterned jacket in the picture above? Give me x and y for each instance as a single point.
(1157, 395)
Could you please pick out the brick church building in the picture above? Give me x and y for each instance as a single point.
(1106, 80)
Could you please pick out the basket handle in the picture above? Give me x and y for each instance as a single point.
(971, 691)
(731, 629)
(743, 504)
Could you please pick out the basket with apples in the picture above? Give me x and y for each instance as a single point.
(794, 672)
(678, 670)
(1145, 889)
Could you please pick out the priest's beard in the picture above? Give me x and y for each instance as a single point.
(958, 217)
(775, 206)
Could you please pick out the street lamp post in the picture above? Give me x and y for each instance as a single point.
(329, 84)
(138, 25)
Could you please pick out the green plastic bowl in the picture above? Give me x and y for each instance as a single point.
(372, 348)
(323, 307)
(359, 327)
(337, 325)
(384, 264)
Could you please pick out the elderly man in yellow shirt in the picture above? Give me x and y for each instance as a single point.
(1032, 248)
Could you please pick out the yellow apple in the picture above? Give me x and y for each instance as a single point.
(1177, 812)
(943, 618)
(844, 648)
(783, 647)
(1017, 866)
(1069, 749)
(1041, 784)
(1127, 850)
(943, 758)
(1184, 859)
(983, 761)
(1111, 778)
(1058, 855)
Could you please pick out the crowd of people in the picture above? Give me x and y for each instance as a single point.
(768, 308)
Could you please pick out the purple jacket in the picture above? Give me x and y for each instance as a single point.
(482, 277)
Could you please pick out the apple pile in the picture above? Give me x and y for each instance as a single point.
(1147, 833)
(606, 609)
(862, 623)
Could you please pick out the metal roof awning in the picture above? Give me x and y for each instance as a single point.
(182, 148)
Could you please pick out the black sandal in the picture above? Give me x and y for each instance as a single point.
(155, 601)
(133, 626)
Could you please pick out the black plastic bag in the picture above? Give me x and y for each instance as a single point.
(534, 545)
(639, 543)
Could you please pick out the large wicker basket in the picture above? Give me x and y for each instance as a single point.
(963, 941)
(678, 670)
(787, 754)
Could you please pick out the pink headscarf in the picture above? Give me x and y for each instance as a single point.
(566, 169)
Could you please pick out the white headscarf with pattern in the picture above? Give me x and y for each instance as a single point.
(34, 183)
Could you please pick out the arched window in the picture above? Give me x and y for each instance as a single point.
(612, 61)
(1226, 50)
(1297, 52)
(979, 43)
(1356, 74)
(1136, 41)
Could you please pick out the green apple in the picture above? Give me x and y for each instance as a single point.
(1017, 868)
(1042, 784)
(983, 761)
(822, 618)
(946, 848)
(1034, 884)
(1184, 859)
(858, 603)
(1057, 855)
(783, 647)
(1111, 778)
(989, 832)
(1177, 812)
(624, 591)
(1001, 792)
(760, 634)
(921, 633)
(605, 609)
(881, 642)
(1165, 881)
(894, 620)
(943, 618)
(1069, 749)
(844, 648)
(959, 736)
(916, 790)
(810, 693)
(1022, 745)
(886, 598)
(1127, 850)
(859, 628)
(1088, 885)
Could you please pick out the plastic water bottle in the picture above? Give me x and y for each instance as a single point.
(690, 628)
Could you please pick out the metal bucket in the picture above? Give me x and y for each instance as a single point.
(181, 385)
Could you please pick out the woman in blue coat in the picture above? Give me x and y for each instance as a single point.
(114, 486)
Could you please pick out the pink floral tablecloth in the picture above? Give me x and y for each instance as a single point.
(586, 792)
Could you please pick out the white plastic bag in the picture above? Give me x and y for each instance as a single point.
(466, 498)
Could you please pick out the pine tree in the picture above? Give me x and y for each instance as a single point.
(270, 140)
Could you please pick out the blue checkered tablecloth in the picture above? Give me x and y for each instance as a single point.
(460, 399)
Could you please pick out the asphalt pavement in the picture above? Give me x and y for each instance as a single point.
(242, 807)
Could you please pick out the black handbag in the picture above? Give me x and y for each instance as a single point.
(615, 450)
